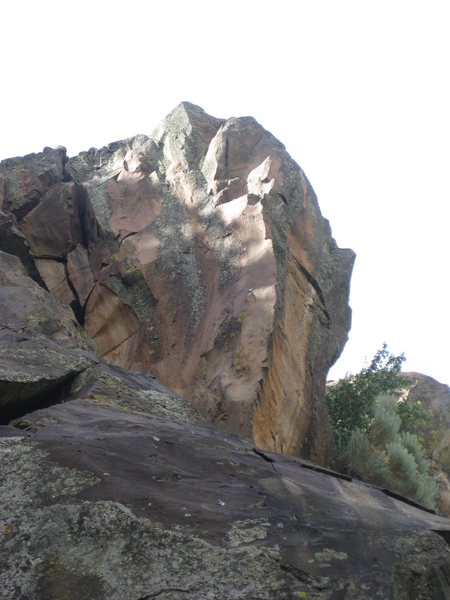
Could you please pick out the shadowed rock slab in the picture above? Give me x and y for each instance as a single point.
(103, 502)
(12, 241)
(28, 312)
(42, 347)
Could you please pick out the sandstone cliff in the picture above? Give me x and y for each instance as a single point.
(199, 255)
(112, 487)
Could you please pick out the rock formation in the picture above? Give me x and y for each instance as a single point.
(123, 493)
(112, 487)
(198, 255)
(435, 398)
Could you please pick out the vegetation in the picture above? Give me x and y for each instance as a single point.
(375, 430)
(351, 401)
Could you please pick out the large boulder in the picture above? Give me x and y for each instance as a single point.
(221, 276)
(199, 255)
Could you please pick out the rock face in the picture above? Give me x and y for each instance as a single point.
(435, 398)
(111, 486)
(198, 255)
(123, 492)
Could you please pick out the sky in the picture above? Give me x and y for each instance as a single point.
(357, 90)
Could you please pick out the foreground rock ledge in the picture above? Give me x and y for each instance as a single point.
(199, 255)
(99, 501)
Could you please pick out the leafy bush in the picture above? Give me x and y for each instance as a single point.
(351, 400)
(371, 425)
(414, 417)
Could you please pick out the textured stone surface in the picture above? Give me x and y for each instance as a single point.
(250, 291)
(104, 502)
(112, 487)
(28, 312)
(42, 347)
(197, 254)
(26, 179)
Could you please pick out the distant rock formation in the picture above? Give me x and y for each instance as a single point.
(435, 398)
(199, 255)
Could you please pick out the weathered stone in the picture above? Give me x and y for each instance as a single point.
(41, 345)
(27, 178)
(214, 269)
(250, 290)
(111, 386)
(101, 501)
(80, 273)
(54, 275)
(115, 329)
(113, 487)
(12, 241)
(35, 372)
(53, 227)
(27, 310)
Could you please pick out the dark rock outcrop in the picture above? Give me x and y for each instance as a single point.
(42, 347)
(124, 492)
(199, 255)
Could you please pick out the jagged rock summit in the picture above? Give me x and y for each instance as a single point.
(199, 255)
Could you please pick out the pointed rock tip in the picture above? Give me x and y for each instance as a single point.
(185, 114)
(189, 107)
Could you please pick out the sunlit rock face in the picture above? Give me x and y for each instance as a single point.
(197, 254)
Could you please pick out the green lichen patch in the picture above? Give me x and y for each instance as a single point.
(124, 557)
(176, 259)
(133, 290)
(328, 554)
(247, 531)
(100, 384)
(29, 480)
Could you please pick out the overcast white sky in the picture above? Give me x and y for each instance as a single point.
(357, 90)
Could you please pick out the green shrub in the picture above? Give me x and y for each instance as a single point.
(385, 425)
(362, 460)
(411, 442)
(372, 429)
(414, 417)
(351, 400)
(390, 459)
